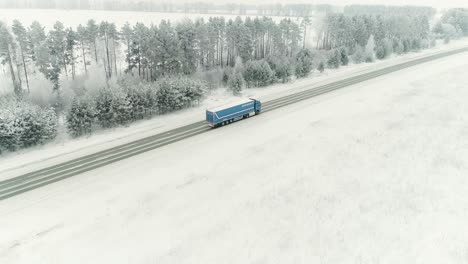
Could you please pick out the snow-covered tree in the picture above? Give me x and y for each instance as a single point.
(22, 40)
(258, 74)
(304, 63)
(7, 51)
(186, 33)
(344, 58)
(107, 100)
(92, 30)
(236, 82)
(168, 51)
(57, 43)
(82, 39)
(380, 52)
(36, 36)
(334, 59)
(282, 67)
(23, 124)
(369, 51)
(127, 35)
(70, 56)
(358, 56)
(321, 67)
(175, 93)
(81, 116)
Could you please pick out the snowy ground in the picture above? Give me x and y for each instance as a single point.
(375, 173)
(64, 148)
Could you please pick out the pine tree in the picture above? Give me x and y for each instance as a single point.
(104, 108)
(282, 67)
(369, 52)
(22, 40)
(344, 56)
(140, 46)
(6, 54)
(203, 42)
(168, 49)
(92, 30)
(114, 38)
(80, 117)
(244, 44)
(36, 36)
(84, 45)
(71, 42)
(304, 63)
(104, 30)
(321, 67)
(358, 56)
(258, 74)
(188, 44)
(334, 59)
(380, 52)
(306, 22)
(49, 64)
(127, 33)
(57, 42)
(236, 82)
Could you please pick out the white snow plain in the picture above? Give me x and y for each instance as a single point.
(373, 173)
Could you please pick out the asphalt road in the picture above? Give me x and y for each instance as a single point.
(39, 178)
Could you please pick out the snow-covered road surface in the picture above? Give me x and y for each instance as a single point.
(375, 173)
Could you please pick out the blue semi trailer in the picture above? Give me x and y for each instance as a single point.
(226, 114)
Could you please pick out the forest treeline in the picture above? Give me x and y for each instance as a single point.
(170, 66)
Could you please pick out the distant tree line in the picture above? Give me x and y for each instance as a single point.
(452, 25)
(382, 10)
(340, 30)
(150, 52)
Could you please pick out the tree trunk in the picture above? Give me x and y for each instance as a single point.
(105, 71)
(115, 57)
(109, 67)
(18, 71)
(128, 54)
(16, 88)
(84, 58)
(73, 64)
(65, 66)
(95, 51)
(139, 67)
(25, 70)
(305, 34)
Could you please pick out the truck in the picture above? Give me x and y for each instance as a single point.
(228, 113)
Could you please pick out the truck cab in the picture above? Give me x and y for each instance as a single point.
(258, 106)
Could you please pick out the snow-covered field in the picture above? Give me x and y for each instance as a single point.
(374, 173)
(72, 18)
